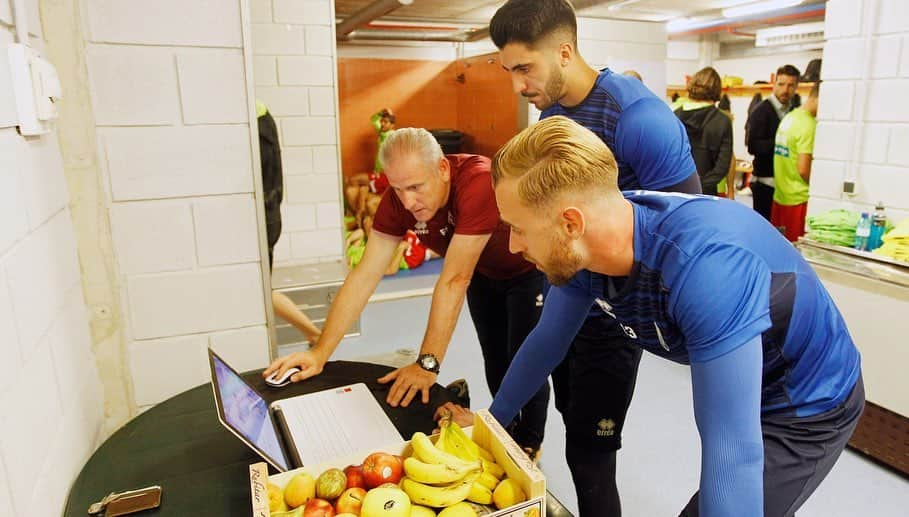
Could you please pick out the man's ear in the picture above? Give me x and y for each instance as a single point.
(566, 52)
(573, 222)
(444, 169)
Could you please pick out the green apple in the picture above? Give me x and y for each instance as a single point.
(385, 502)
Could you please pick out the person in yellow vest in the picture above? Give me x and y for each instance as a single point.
(792, 167)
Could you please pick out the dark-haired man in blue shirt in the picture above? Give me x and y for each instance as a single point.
(538, 46)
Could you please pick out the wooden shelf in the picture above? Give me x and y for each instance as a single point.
(741, 91)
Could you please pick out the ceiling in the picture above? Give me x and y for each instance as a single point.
(476, 13)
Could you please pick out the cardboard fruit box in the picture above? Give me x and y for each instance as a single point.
(486, 432)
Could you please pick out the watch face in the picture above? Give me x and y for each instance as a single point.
(429, 362)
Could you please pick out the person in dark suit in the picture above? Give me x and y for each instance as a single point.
(760, 135)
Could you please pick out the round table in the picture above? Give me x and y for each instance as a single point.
(202, 468)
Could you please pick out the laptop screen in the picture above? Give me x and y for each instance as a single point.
(245, 412)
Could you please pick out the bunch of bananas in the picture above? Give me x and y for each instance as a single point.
(453, 469)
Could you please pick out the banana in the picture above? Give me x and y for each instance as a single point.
(457, 442)
(438, 496)
(493, 468)
(488, 480)
(426, 451)
(479, 494)
(486, 455)
(437, 473)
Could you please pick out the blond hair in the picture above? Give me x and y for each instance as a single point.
(412, 141)
(554, 156)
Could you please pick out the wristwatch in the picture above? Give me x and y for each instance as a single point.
(428, 362)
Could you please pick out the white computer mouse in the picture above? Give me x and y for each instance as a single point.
(276, 382)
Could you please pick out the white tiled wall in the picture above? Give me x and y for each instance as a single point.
(295, 64)
(51, 400)
(168, 90)
(623, 45)
(862, 109)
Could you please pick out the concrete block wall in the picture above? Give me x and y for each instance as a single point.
(51, 398)
(862, 115)
(296, 77)
(623, 45)
(168, 87)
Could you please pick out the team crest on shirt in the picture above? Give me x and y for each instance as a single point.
(420, 228)
(606, 427)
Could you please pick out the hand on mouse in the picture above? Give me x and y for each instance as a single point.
(309, 363)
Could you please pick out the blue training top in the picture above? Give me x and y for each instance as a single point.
(649, 142)
(715, 286)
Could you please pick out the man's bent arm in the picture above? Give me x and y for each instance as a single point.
(448, 295)
(564, 311)
(355, 292)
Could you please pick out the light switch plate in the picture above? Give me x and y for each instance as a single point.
(35, 88)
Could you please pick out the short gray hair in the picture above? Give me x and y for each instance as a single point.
(411, 140)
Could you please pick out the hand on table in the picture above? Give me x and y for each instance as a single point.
(458, 414)
(409, 381)
(309, 363)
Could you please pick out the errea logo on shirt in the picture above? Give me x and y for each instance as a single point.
(606, 427)
(420, 228)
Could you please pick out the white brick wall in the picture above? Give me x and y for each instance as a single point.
(295, 63)
(150, 358)
(180, 178)
(212, 86)
(47, 428)
(226, 230)
(623, 45)
(862, 98)
(209, 23)
(153, 236)
(205, 300)
(162, 162)
(133, 85)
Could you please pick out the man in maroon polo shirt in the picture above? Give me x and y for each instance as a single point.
(449, 202)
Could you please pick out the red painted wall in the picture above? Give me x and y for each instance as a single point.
(471, 95)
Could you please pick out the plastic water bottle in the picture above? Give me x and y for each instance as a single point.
(878, 227)
(862, 232)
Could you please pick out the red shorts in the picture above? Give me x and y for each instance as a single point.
(790, 220)
(378, 182)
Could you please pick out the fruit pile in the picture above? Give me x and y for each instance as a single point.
(454, 475)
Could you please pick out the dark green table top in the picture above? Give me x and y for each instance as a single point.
(203, 470)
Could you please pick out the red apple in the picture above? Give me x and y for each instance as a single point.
(316, 507)
(350, 501)
(354, 475)
(380, 467)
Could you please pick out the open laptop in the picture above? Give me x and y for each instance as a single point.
(306, 429)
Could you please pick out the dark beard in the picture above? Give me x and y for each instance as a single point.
(553, 88)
